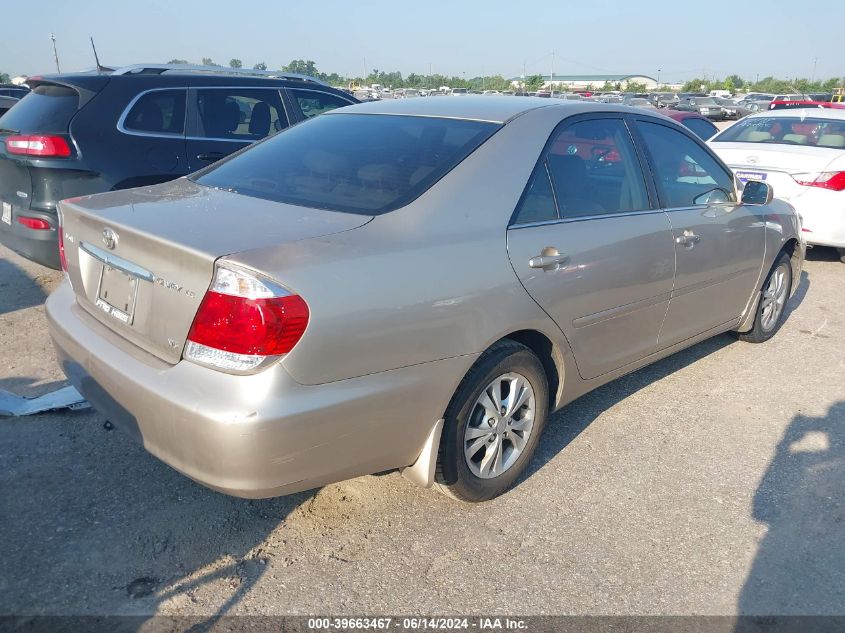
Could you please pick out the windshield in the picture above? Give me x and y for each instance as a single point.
(357, 163)
(811, 132)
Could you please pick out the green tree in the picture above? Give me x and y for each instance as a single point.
(533, 82)
(206, 61)
(302, 67)
(235, 63)
(4, 78)
(737, 82)
(260, 66)
(178, 61)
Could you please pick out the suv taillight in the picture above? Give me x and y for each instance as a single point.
(833, 180)
(46, 146)
(244, 322)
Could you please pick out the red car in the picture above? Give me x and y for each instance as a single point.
(787, 105)
(700, 125)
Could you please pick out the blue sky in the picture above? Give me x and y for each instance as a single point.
(683, 38)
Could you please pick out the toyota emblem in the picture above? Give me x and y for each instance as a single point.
(109, 238)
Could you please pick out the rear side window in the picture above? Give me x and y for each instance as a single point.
(313, 102)
(358, 163)
(686, 173)
(248, 115)
(47, 108)
(158, 112)
(538, 201)
(595, 169)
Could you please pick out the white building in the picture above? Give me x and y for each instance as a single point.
(594, 82)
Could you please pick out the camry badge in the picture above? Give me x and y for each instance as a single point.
(109, 238)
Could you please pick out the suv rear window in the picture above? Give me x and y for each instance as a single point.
(357, 163)
(47, 108)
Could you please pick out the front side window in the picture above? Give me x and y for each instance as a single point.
(158, 112)
(357, 163)
(797, 130)
(314, 102)
(595, 170)
(247, 114)
(686, 173)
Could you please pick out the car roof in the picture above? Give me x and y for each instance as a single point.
(477, 107)
(813, 111)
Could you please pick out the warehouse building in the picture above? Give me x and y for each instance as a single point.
(594, 82)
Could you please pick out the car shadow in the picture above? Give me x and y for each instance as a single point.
(799, 568)
(99, 526)
(568, 423)
(18, 289)
(822, 254)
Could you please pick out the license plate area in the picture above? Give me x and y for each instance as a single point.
(745, 176)
(117, 292)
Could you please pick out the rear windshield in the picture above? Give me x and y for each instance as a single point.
(358, 163)
(47, 108)
(808, 131)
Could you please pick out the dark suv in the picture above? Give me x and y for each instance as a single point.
(78, 134)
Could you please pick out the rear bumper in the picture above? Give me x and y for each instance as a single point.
(252, 436)
(38, 245)
(822, 216)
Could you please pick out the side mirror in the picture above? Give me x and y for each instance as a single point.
(757, 193)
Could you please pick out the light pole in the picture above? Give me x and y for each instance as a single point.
(55, 53)
(658, 77)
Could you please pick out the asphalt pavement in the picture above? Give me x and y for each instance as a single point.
(709, 483)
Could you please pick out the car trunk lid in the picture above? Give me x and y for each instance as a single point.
(141, 260)
(775, 164)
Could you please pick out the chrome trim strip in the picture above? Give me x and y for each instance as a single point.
(134, 69)
(618, 311)
(122, 128)
(602, 216)
(117, 262)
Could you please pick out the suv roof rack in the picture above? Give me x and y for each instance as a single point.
(160, 69)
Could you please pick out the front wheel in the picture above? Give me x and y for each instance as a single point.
(493, 424)
(770, 310)
(841, 252)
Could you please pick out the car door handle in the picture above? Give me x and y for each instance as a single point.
(688, 239)
(549, 259)
(211, 156)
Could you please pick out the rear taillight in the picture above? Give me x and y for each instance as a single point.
(34, 223)
(245, 321)
(833, 180)
(47, 146)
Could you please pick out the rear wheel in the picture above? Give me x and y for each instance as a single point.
(493, 424)
(771, 308)
(841, 252)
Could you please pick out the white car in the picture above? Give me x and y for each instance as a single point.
(801, 154)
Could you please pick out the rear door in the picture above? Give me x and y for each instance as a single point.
(719, 243)
(590, 246)
(224, 120)
(152, 131)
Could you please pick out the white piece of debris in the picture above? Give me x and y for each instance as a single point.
(64, 398)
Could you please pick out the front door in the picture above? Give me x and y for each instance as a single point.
(719, 243)
(590, 249)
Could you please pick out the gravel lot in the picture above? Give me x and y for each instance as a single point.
(709, 483)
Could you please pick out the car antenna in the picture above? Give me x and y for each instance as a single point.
(100, 67)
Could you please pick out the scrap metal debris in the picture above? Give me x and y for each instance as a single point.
(12, 405)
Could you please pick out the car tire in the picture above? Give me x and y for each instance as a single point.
(476, 441)
(841, 253)
(771, 309)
